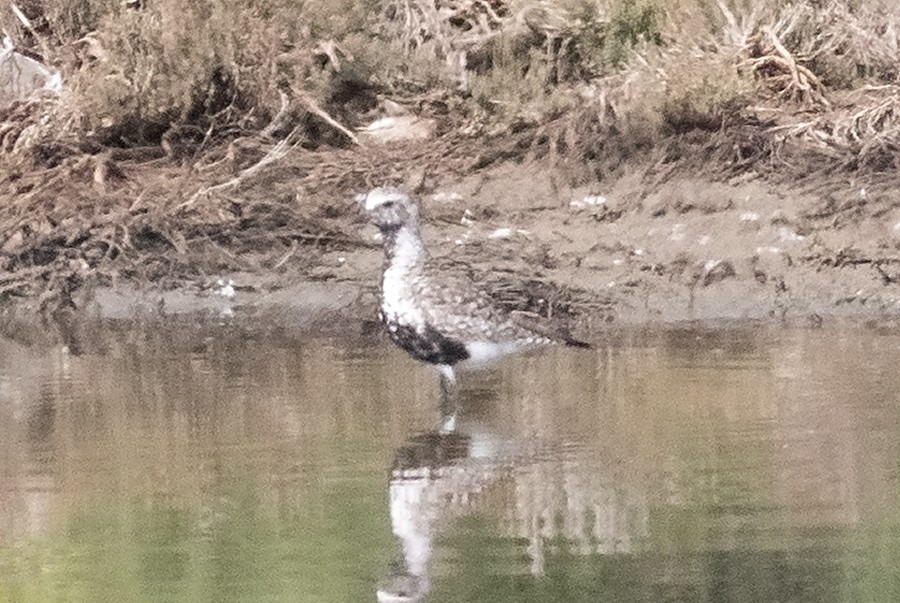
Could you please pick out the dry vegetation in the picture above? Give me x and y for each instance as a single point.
(201, 136)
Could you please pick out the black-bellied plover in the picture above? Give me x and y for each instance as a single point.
(437, 317)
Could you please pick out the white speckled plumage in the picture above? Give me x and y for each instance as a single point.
(420, 302)
(398, 300)
(438, 317)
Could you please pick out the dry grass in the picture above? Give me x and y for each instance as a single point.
(864, 133)
(94, 219)
(188, 76)
(817, 81)
(188, 73)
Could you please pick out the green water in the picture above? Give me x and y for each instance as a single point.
(678, 466)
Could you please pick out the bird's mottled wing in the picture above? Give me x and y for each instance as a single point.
(546, 328)
(458, 305)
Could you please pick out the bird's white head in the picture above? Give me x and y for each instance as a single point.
(391, 209)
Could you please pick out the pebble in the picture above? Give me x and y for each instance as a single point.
(588, 201)
(225, 288)
(786, 234)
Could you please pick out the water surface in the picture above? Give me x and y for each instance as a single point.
(675, 466)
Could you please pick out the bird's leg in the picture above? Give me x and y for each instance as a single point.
(449, 391)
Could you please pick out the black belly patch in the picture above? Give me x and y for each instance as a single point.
(428, 345)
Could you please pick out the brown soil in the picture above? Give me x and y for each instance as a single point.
(650, 243)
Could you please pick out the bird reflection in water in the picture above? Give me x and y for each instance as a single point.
(429, 475)
(559, 491)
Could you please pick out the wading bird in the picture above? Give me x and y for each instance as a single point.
(437, 317)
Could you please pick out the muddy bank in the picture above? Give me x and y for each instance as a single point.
(619, 254)
(613, 164)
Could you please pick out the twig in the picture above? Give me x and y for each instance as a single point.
(21, 16)
(801, 77)
(314, 108)
(279, 117)
(26, 22)
(275, 153)
(287, 256)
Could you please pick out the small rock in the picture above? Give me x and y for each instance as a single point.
(225, 288)
(749, 221)
(588, 201)
(404, 127)
(450, 197)
(715, 271)
(770, 249)
(786, 234)
(21, 76)
(778, 217)
(769, 263)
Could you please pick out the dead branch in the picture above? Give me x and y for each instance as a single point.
(315, 109)
(26, 23)
(773, 62)
(279, 118)
(274, 154)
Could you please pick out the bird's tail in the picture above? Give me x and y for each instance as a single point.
(549, 329)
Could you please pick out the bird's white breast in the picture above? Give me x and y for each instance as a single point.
(398, 299)
(397, 302)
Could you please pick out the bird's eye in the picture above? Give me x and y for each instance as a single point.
(389, 204)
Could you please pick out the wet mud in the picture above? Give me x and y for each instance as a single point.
(629, 251)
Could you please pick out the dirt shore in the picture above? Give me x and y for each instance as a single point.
(615, 165)
(616, 254)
